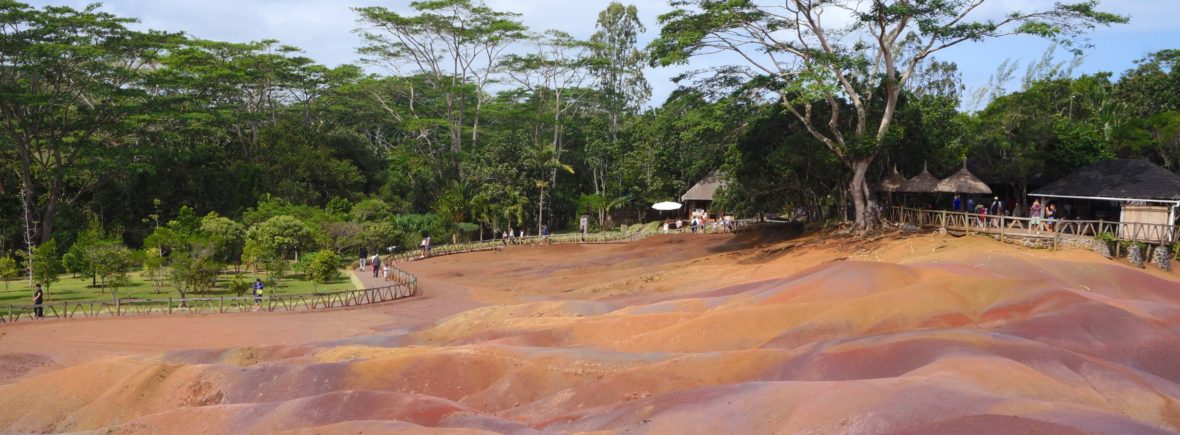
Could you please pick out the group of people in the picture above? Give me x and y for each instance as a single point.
(373, 263)
(513, 237)
(1041, 218)
(700, 223)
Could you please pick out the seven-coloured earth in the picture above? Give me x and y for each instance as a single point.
(755, 332)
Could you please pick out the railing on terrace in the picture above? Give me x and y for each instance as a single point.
(1023, 227)
(403, 285)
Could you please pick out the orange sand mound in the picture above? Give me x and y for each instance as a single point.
(699, 334)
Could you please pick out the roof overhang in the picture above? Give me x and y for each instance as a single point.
(1099, 198)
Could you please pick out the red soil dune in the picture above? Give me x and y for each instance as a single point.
(674, 334)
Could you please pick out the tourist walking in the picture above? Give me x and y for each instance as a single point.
(376, 265)
(364, 255)
(426, 244)
(38, 299)
(258, 286)
(545, 234)
(957, 203)
(996, 210)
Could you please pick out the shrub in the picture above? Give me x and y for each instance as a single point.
(1105, 236)
(324, 267)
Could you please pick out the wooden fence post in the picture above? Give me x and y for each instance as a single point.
(169, 305)
(220, 304)
(118, 310)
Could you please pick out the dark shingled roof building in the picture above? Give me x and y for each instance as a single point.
(1144, 193)
(1117, 180)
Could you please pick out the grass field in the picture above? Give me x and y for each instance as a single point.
(70, 288)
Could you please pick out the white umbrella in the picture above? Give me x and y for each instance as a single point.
(665, 206)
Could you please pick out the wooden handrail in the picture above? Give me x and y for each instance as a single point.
(404, 285)
(1127, 231)
(554, 239)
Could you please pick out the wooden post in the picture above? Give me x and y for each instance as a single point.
(118, 310)
(220, 304)
(1003, 228)
(65, 310)
(169, 305)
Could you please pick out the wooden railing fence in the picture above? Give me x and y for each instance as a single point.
(1013, 226)
(564, 238)
(402, 285)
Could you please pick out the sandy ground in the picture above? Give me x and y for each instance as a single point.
(750, 333)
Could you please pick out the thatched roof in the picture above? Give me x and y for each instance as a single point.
(1127, 180)
(705, 189)
(891, 182)
(921, 183)
(963, 182)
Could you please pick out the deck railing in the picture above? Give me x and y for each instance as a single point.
(1024, 227)
(402, 285)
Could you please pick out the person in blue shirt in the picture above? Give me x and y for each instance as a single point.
(258, 286)
(957, 204)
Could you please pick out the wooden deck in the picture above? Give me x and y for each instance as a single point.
(1023, 228)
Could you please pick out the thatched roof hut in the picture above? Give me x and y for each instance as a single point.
(921, 183)
(963, 182)
(891, 182)
(705, 189)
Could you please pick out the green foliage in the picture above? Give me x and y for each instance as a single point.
(239, 285)
(46, 264)
(112, 264)
(1142, 246)
(283, 156)
(323, 267)
(380, 235)
(276, 269)
(195, 269)
(1105, 236)
(154, 268)
(338, 206)
(281, 236)
(371, 210)
(8, 270)
(72, 89)
(227, 236)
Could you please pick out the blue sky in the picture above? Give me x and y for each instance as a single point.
(323, 29)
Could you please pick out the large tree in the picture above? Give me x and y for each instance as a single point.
(452, 45)
(70, 80)
(617, 65)
(851, 56)
(552, 78)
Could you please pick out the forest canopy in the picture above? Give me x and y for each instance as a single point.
(462, 123)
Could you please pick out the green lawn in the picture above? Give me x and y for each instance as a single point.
(69, 288)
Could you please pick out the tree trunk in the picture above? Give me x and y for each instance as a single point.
(867, 217)
(541, 211)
